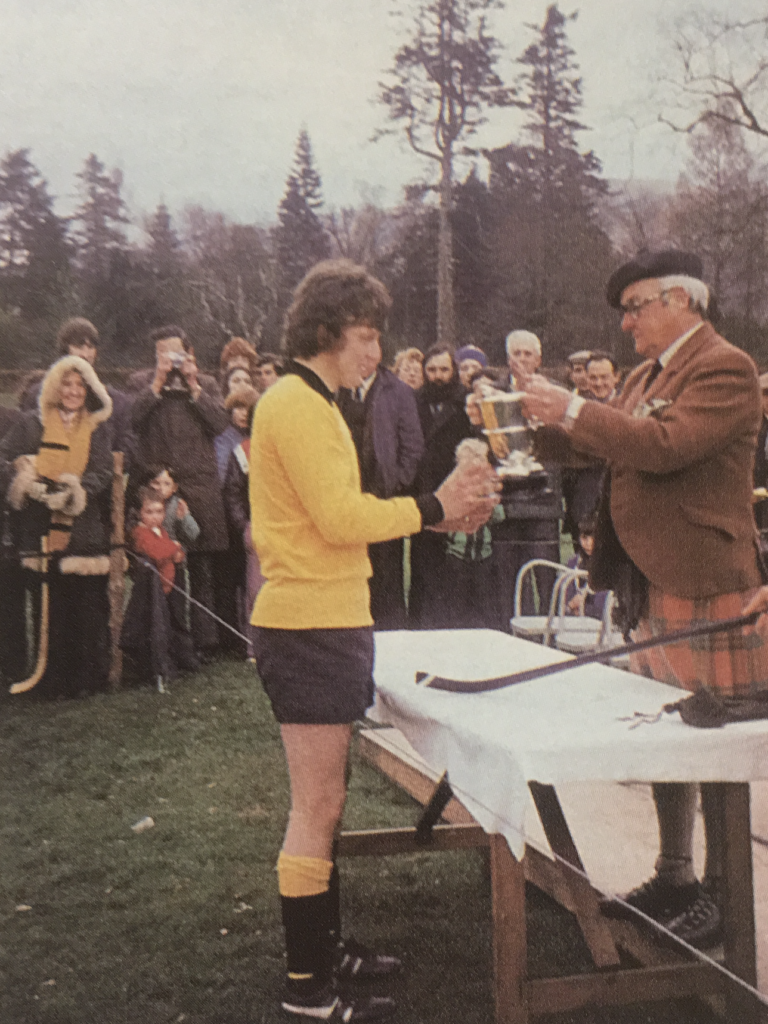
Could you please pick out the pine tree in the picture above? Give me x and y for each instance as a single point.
(551, 254)
(99, 218)
(34, 253)
(167, 267)
(164, 245)
(300, 239)
(441, 83)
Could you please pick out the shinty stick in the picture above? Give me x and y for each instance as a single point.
(593, 658)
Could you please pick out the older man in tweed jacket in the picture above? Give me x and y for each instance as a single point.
(679, 442)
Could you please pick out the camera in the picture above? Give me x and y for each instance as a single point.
(176, 383)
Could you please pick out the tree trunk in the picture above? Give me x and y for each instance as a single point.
(446, 319)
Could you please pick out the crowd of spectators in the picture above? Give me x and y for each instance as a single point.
(184, 435)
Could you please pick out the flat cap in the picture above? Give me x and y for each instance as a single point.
(651, 264)
(581, 357)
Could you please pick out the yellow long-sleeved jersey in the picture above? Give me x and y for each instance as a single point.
(311, 523)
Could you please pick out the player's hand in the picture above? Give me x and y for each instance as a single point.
(543, 401)
(759, 603)
(468, 496)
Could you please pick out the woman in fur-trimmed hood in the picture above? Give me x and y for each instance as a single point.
(56, 470)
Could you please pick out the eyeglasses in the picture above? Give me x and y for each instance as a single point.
(634, 309)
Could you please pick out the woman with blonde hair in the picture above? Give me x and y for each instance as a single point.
(56, 466)
(408, 366)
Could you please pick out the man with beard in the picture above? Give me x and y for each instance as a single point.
(444, 423)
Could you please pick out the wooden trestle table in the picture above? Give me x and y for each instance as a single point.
(500, 748)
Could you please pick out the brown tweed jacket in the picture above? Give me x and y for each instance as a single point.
(681, 458)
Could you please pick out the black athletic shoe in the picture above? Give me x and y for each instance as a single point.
(700, 924)
(656, 898)
(355, 962)
(329, 1005)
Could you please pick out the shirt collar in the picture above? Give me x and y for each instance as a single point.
(667, 354)
(311, 378)
(365, 387)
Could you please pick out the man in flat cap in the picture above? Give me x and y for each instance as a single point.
(577, 370)
(679, 442)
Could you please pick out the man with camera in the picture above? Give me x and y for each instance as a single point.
(176, 415)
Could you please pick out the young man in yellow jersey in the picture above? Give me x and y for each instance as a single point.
(314, 638)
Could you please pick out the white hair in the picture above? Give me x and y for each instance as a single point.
(527, 338)
(695, 289)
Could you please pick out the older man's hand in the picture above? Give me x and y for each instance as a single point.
(759, 603)
(544, 401)
(468, 496)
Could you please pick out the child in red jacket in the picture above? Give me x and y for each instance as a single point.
(155, 634)
(151, 540)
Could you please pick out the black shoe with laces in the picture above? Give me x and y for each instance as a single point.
(328, 1004)
(657, 898)
(700, 924)
(356, 962)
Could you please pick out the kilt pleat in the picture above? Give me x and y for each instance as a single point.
(733, 662)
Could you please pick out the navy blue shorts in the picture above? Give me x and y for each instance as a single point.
(316, 676)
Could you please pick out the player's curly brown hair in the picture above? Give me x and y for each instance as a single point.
(334, 294)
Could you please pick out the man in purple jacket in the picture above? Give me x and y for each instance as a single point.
(384, 422)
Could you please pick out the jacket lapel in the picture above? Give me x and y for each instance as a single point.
(681, 359)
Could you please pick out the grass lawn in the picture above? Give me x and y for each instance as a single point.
(180, 923)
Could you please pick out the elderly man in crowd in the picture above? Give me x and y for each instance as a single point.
(676, 537)
(532, 509)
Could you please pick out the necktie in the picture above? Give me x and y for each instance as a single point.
(655, 371)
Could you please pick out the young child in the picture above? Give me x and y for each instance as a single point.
(580, 600)
(178, 521)
(155, 633)
(149, 538)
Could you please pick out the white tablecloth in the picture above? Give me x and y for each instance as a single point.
(563, 728)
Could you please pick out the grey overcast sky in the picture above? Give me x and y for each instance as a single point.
(200, 101)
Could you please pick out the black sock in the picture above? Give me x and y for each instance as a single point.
(334, 906)
(306, 920)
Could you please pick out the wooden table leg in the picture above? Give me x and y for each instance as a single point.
(510, 947)
(729, 802)
(594, 926)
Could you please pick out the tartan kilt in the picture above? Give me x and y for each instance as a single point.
(734, 662)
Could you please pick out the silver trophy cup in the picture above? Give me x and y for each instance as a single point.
(509, 434)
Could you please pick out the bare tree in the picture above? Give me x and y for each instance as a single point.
(719, 211)
(233, 274)
(721, 73)
(441, 82)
